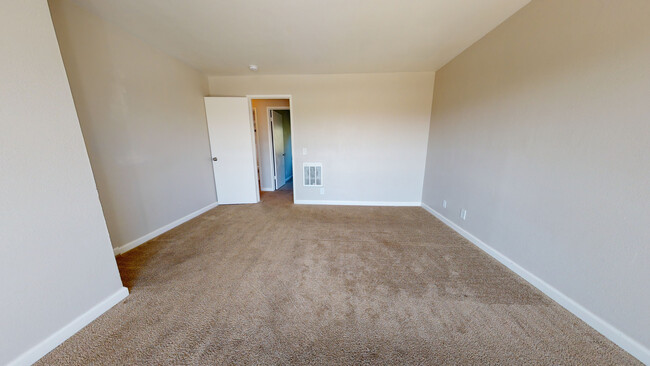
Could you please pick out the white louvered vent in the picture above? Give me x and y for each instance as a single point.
(312, 174)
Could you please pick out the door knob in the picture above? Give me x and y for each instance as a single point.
(214, 159)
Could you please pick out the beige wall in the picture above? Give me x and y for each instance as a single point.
(143, 120)
(56, 262)
(264, 152)
(541, 130)
(368, 130)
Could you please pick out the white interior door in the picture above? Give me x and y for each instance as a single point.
(278, 148)
(233, 154)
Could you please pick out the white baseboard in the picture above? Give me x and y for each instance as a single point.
(41, 349)
(355, 203)
(266, 189)
(145, 238)
(624, 341)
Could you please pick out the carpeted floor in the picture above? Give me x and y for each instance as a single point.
(278, 284)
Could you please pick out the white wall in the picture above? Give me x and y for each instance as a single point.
(143, 120)
(369, 130)
(541, 130)
(56, 261)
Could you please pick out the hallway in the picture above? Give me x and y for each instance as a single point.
(288, 186)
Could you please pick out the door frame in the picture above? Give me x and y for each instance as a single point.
(255, 119)
(293, 136)
(269, 111)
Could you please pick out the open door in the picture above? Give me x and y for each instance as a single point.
(278, 148)
(233, 153)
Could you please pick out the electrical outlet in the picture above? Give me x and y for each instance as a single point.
(322, 191)
(304, 151)
(463, 214)
(444, 203)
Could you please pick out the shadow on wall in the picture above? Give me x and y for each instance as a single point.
(144, 127)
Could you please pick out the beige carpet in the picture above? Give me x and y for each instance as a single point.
(278, 284)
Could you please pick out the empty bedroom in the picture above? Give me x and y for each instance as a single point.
(345, 182)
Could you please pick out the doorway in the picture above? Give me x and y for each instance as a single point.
(274, 142)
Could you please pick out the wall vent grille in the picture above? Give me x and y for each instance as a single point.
(312, 174)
